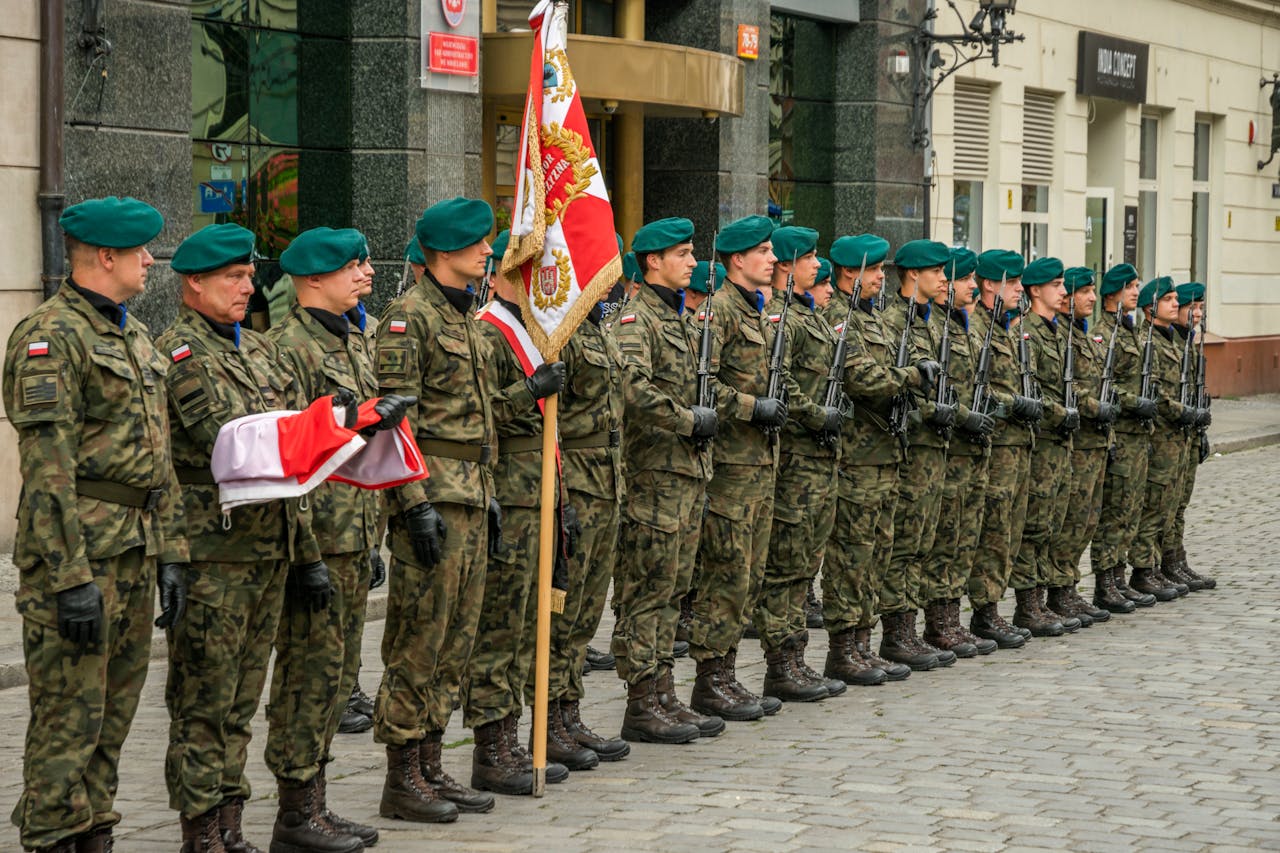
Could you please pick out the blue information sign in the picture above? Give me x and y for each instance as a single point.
(217, 196)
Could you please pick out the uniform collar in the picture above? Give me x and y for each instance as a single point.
(673, 299)
(115, 313)
(358, 317)
(229, 332)
(335, 324)
(753, 298)
(462, 299)
(866, 306)
(961, 316)
(1082, 323)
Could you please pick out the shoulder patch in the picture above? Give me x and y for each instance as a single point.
(180, 353)
(397, 327)
(775, 318)
(37, 348)
(629, 318)
(40, 390)
(1097, 339)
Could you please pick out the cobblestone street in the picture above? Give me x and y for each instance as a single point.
(1158, 730)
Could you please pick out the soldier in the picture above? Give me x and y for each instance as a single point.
(999, 274)
(812, 606)
(804, 494)
(219, 371)
(696, 293)
(1125, 482)
(429, 346)
(667, 466)
(100, 522)
(858, 551)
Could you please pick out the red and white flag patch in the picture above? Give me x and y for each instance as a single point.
(839, 327)
(37, 348)
(702, 315)
(629, 318)
(1097, 339)
(775, 318)
(1026, 336)
(180, 353)
(398, 327)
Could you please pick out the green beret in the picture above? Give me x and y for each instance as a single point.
(413, 253)
(792, 241)
(963, 263)
(112, 223)
(500, 242)
(214, 247)
(1114, 280)
(1192, 291)
(698, 283)
(448, 226)
(631, 267)
(621, 249)
(995, 264)
(662, 234)
(1042, 271)
(744, 234)
(317, 251)
(921, 255)
(361, 241)
(824, 270)
(849, 251)
(1154, 290)
(1076, 278)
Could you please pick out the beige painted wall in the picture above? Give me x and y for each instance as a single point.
(1205, 62)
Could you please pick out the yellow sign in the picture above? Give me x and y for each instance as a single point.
(748, 41)
(1278, 223)
(1010, 202)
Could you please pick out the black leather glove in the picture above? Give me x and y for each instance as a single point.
(426, 531)
(943, 415)
(1187, 416)
(1203, 417)
(977, 423)
(1204, 447)
(929, 372)
(1145, 409)
(495, 527)
(171, 581)
(769, 413)
(548, 379)
(311, 583)
(377, 568)
(572, 531)
(345, 399)
(1027, 409)
(1071, 421)
(1107, 413)
(705, 422)
(391, 409)
(832, 420)
(80, 614)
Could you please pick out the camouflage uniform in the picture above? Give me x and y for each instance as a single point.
(1008, 470)
(318, 654)
(805, 492)
(868, 484)
(218, 652)
(735, 532)
(1191, 458)
(430, 346)
(666, 477)
(93, 442)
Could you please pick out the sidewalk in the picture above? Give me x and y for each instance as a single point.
(1237, 425)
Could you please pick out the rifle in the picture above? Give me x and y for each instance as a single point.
(482, 295)
(904, 403)
(835, 395)
(1030, 388)
(777, 385)
(706, 388)
(404, 279)
(1147, 390)
(982, 376)
(945, 395)
(1069, 399)
(1106, 389)
(1202, 391)
(1186, 384)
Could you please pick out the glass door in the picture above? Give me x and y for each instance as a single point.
(1098, 249)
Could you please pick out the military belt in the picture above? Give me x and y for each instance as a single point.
(189, 476)
(596, 439)
(481, 453)
(118, 493)
(519, 444)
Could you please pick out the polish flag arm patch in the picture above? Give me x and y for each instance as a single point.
(36, 348)
(775, 318)
(180, 353)
(627, 318)
(397, 327)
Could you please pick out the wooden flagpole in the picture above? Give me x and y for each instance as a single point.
(546, 561)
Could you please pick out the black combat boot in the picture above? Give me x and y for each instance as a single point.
(680, 648)
(406, 795)
(609, 749)
(1209, 583)
(892, 670)
(1059, 605)
(1145, 580)
(431, 765)
(100, 841)
(200, 834)
(987, 623)
(844, 662)
(812, 608)
(367, 834)
(494, 767)
(646, 720)
(229, 817)
(713, 695)
(896, 644)
(781, 678)
(938, 634)
(599, 660)
(1105, 594)
(1028, 615)
(834, 686)
(1139, 599)
(685, 620)
(562, 748)
(555, 772)
(301, 827)
(360, 701)
(769, 704)
(682, 713)
(981, 645)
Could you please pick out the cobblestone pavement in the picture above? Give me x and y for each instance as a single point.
(1158, 730)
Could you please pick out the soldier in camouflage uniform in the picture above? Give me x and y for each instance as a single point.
(804, 494)
(429, 346)
(858, 552)
(959, 515)
(999, 274)
(219, 371)
(99, 508)
(667, 463)
(1124, 483)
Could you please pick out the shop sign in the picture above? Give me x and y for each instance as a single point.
(1131, 234)
(748, 41)
(450, 54)
(451, 45)
(1109, 67)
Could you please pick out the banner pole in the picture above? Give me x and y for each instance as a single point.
(546, 555)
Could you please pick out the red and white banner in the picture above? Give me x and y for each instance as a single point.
(562, 232)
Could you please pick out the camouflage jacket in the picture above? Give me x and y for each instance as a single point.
(591, 409)
(1047, 341)
(660, 375)
(323, 358)
(962, 373)
(213, 379)
(1167, 373)
(1127, 372)
(1005, 378)
(811, 344)
(740, 361)
(430, 345)
(1090, 353)
(88, 401)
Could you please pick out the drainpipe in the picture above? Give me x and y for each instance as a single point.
(50, 197)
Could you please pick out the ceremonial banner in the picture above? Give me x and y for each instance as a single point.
(562, 236)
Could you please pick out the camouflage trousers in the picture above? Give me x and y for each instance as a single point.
(217, 667)
(502, 656)
(658, 541)
(915, 523)
(1048, 488)
(1003, 516)
(733, 549)
(1084, 508)
(858, 552)
(1191, 463)
(317, 659)
(1124, 489)
(946, 569)
(590, 571)
(804, 512)
(432, 615)
(1164, 483)
(82, 705)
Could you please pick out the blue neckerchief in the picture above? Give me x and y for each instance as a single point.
(680, 310)
(124, 315)
(362, 317)
(926, 309)
(964, 317)
(1084, 324)
(1008, 317)
(759, 302)
(806, 298)
(236, 326)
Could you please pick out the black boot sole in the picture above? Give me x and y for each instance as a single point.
(638, 736)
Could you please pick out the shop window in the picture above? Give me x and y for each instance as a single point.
(1035, 221)
(967, 215)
